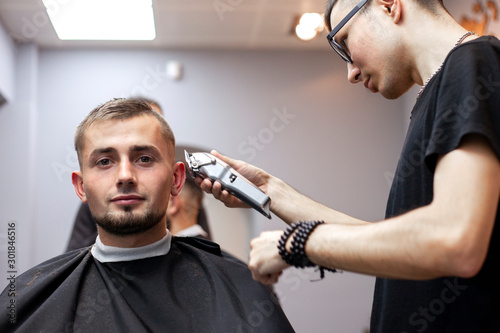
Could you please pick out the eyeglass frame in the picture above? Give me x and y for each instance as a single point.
(336, 46)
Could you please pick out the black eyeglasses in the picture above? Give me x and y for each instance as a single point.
(336, 46)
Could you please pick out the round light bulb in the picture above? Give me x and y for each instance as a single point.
(310, 24)
(312, 20)
(304, 32)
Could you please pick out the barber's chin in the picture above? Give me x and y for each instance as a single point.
(396, 90)
(391, 94)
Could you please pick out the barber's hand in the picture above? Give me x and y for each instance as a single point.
(265, 262)
(255, 175)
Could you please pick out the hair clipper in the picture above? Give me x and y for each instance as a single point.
(208, 166)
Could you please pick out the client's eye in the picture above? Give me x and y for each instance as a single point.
(104, 162)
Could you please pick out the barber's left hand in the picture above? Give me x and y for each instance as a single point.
(265, 262)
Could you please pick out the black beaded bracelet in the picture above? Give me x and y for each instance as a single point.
(298, 248)
(297, 256)
(285, 255)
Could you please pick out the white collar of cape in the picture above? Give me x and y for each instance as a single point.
(192, 231)
(104, 253)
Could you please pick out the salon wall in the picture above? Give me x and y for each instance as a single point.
(18, 135)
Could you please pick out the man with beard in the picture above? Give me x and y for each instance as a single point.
(137, 277)
(84, 230)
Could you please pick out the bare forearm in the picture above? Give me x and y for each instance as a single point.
(413, 246)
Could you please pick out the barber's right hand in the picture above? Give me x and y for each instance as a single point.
(255, 175)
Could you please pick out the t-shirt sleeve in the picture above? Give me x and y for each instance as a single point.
(468, 100)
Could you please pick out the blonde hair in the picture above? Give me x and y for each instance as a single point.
(120, 109)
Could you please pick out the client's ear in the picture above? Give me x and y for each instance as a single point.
(179, 178)
(77, 180)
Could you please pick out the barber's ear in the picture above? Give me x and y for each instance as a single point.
(392, 8)
(77, 180)
(179, 178)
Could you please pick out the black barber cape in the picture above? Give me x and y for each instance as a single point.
(193, 288)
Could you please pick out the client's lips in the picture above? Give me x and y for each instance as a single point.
(127, 199)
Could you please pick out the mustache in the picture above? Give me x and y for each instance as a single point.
(128, 190)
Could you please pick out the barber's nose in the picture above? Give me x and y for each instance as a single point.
(126, 173)
(353, 73)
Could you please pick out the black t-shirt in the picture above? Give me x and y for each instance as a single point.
(463, 98)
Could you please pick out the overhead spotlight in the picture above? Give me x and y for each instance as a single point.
(309, 26)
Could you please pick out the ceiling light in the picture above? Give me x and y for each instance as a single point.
(102, 19)
(309, 26)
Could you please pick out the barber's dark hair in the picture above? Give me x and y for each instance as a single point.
(120, 109)
(433, 6)
(329, 7)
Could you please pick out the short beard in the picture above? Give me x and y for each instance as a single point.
(130, 223)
